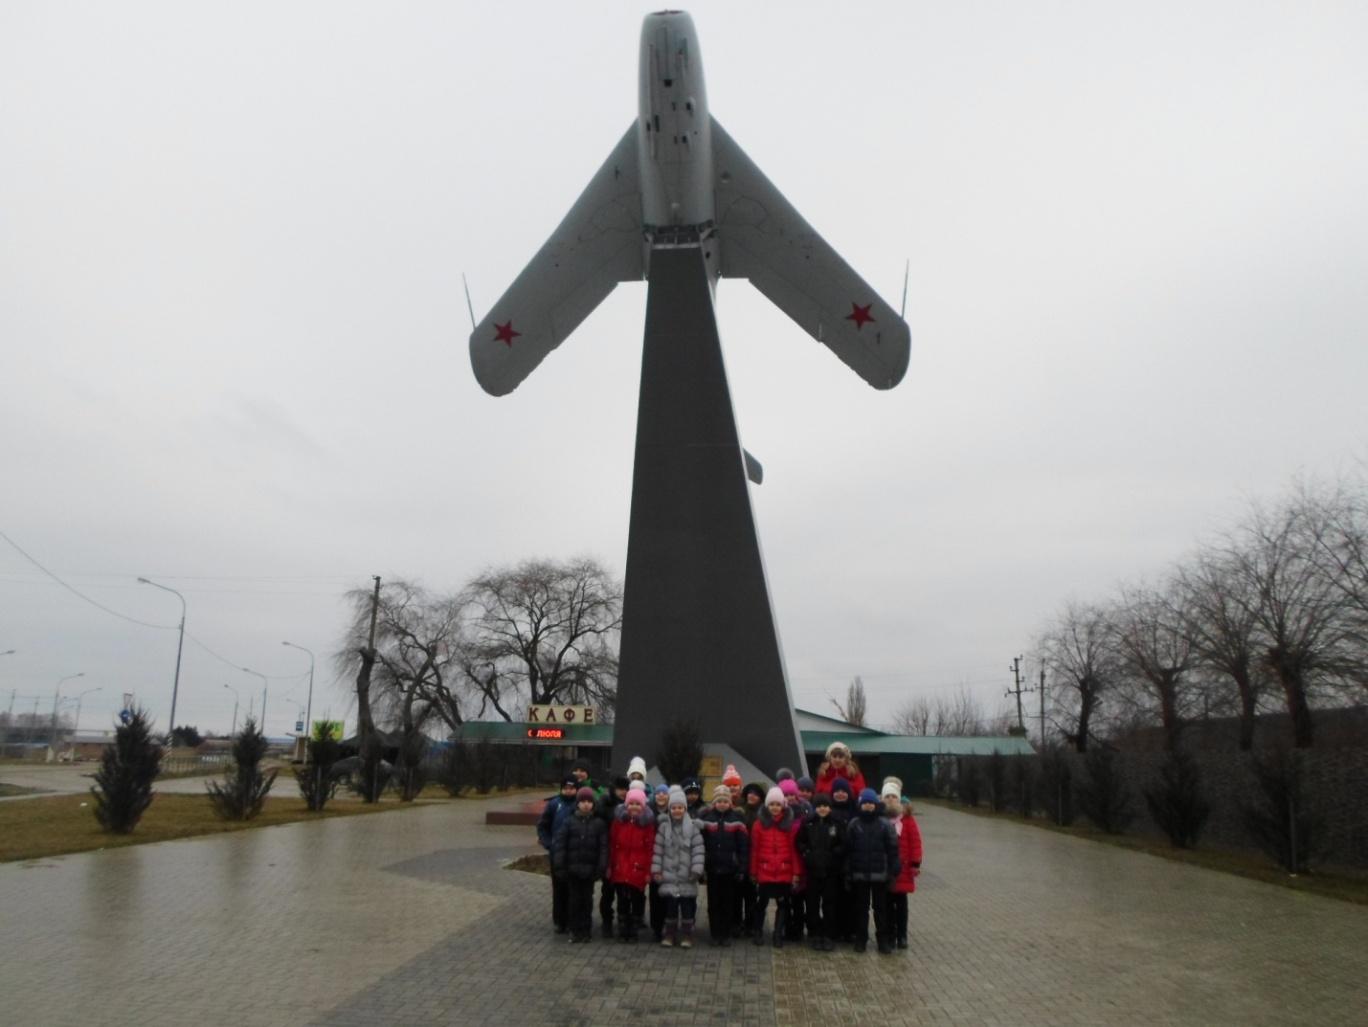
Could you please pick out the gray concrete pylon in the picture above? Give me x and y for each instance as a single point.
(698, 635)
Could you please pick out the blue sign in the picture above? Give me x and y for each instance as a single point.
(125, 716)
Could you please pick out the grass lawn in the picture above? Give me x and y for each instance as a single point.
(1345, 886)
(6, 790)
(33, 828)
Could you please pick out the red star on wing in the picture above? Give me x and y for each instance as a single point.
(504, 333)
(859, 314)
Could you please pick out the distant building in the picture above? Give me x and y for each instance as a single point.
(913, 758)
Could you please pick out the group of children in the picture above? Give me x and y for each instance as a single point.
(824, 853)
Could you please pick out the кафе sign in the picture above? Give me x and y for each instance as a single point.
(548, 723)
(560, 715)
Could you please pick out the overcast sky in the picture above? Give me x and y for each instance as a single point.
(234, 340)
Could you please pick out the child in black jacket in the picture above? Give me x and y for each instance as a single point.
(821, 843)
(579, 856)
(871, 863)
(726, 842)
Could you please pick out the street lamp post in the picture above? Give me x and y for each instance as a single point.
(9, 721)
(264, 685)
(236, 700)
(175, 682)
(76, 728)
(308, 711)
(56, 698)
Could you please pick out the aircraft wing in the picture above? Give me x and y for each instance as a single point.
(764, 239)
(597, 245)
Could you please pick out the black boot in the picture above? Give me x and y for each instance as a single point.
(780, 926)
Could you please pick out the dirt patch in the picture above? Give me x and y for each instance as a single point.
(539, 863)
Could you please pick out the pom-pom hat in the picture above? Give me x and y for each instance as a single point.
(869, 795)
(636, 766)
(721, 792)
(788, 786)
(731, 776)
(774, 795)
(677, 797)
(891, 786)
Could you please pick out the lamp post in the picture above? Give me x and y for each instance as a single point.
(9, 720)
(236, 700)
(308, 710)
(264, 685)
(175, 682)
(56, 698)
(77, 726)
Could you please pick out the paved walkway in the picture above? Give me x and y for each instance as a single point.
(408, 918)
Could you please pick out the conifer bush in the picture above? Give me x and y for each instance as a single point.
(969, 781)
(243, 791)
(1282, 820)
(1175, 801)
(1057, 786)
(1103, 796)
(1023, 784)
(997, 782)
(123, 784)
(315, 779)
(681, 751)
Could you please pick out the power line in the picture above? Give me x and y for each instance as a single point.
(81, 595)
(133, 620)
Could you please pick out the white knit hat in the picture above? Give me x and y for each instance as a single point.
(892, 786)
(637, 766)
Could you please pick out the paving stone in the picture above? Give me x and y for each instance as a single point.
(411, 918)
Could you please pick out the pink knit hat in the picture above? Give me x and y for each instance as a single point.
(774, 795)
(788, 786)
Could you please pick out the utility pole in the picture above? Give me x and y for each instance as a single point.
(1042, 706)
(375, 612)
(1016, 690)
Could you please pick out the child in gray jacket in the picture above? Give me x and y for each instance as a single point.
(677, 867)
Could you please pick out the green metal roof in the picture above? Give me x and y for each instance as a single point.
(813, 741)
(918, 745)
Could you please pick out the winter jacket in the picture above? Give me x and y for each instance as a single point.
(726, 842)
(821, 843)
(773, 855)
(553, 814)
(678, 857)
(827, 775)
(871, 848)
(607, 806)
(909, 854)
(695, 809)
(580, 848)
(631, 848)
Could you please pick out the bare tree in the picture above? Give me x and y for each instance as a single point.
(1222, 629)
(1339, 535)
(544, 632)
(416, 668)
(1299, 610)
(1079, 652)
(913, 717)
(1156, 653)
(853, 712)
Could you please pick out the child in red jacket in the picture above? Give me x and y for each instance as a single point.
(909, 861)
(773, 864)
(631, 843)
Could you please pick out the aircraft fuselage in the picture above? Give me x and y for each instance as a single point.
(674, 132)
